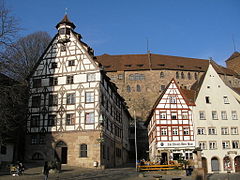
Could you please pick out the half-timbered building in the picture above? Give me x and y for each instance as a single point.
(170, 126)
(76, 115)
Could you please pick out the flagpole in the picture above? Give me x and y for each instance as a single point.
(135, 121)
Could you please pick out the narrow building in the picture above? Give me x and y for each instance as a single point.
(76, 115)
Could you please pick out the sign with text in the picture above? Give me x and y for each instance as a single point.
(176, 144)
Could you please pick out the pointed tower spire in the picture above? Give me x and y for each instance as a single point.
(65, 22)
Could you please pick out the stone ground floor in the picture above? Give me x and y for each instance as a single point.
(34, 172)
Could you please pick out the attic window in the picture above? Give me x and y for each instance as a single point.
(198, 67)
(180, 66)
(161, 64)
(140, 65)
(64, 31)
(128, 65)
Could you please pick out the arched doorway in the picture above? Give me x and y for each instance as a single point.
(215, 164)
(227, 165)
(204, 165)
(61, 152)
(237, 163)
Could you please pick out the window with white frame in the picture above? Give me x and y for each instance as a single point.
(163, 115)
(186, 131)
(91, 77)
(89, 97)
(70, 119)
(71, 98)
(89, 118)
(225, 100)
(188, 156)
(224, 131)
(225, 144)
(185, 115)
(71, 63)
(214, 115)
(201, 130)
(212, 131)
(224, 115)
(202, 115)
(163, 131)
(70, 80)
(202, 144)
(172, 99)
(173, 115)
(212, 145)
(234, 115)
(234, 130)
(175, 131)
(235, 144)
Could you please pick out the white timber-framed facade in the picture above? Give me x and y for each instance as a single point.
(76, 115)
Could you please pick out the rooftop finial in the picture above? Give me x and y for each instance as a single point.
(66, 9)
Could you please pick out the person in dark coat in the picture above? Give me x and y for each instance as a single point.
(45, 170)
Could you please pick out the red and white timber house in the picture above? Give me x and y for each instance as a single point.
(170, 126)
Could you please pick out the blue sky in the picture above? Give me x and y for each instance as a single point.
(188, 28)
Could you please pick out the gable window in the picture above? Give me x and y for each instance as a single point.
(63, 48)
(234, 130)
(212, 131)
(69, 79)
(225, 144)
(189, 76)
(182, 75)
(177, 75)
(235, 144)
(202, 115)
(162, 87)
(185, 115)
(225, 100)
(89, 118)
(138, 88)
(172, 99)
(201, 131)
(207, 99)
(175, 131)
(161, 74)
(163, 131)
(53, 100)
(91, 77)
(3, 149)
(202, 144)
(37, 83)
(52, 120)
(53, 81)
(89, 97)
(71, 98)
(163, 115)
(53, 65)
(71, 63)
(63, 31)
(234, 115)
(212, 145)
(36, 101)
(224, 131)
(173, 115)
(186, 131)
(70, 119)
(214, 115)
(224, 115)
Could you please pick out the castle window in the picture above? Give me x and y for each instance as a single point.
(234, 115)
(36, 101)
(52, 120)
(37, 156)
(70, 119)
(35, 121)
(128, 88)
(71, 98)
(70, 80)
(89, 97)
(161, 74)
(53, 100)
(177, 75)
(53, 81)
(138, 88)
(53, 65)
(189, 76)
(91, 77)
(182, 75)
(83, 150)
(37, 83)
(89, 118)
(71, 63)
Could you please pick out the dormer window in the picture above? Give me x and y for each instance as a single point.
(63, 31)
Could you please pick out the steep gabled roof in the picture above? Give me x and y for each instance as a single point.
(66, 21)
(234, 55)
(133, 62)
(188, 95)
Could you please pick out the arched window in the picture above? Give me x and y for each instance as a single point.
(138, 88)
(37, 156)
(177, 75)
(128, 88)
(83, 150)
(195, 76)
(215, 164)
(189, 76)
(182, 75)
(161, 74)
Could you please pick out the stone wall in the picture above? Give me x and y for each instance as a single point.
(234, 64)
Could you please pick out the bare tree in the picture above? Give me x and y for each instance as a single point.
(9, 26)
(20, 59)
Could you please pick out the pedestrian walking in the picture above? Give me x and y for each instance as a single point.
(45, 170)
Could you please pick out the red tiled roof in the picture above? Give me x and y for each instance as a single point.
(234, 55)
(65, 20)
(156, 61)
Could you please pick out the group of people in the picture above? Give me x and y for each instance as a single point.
(17, 169)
